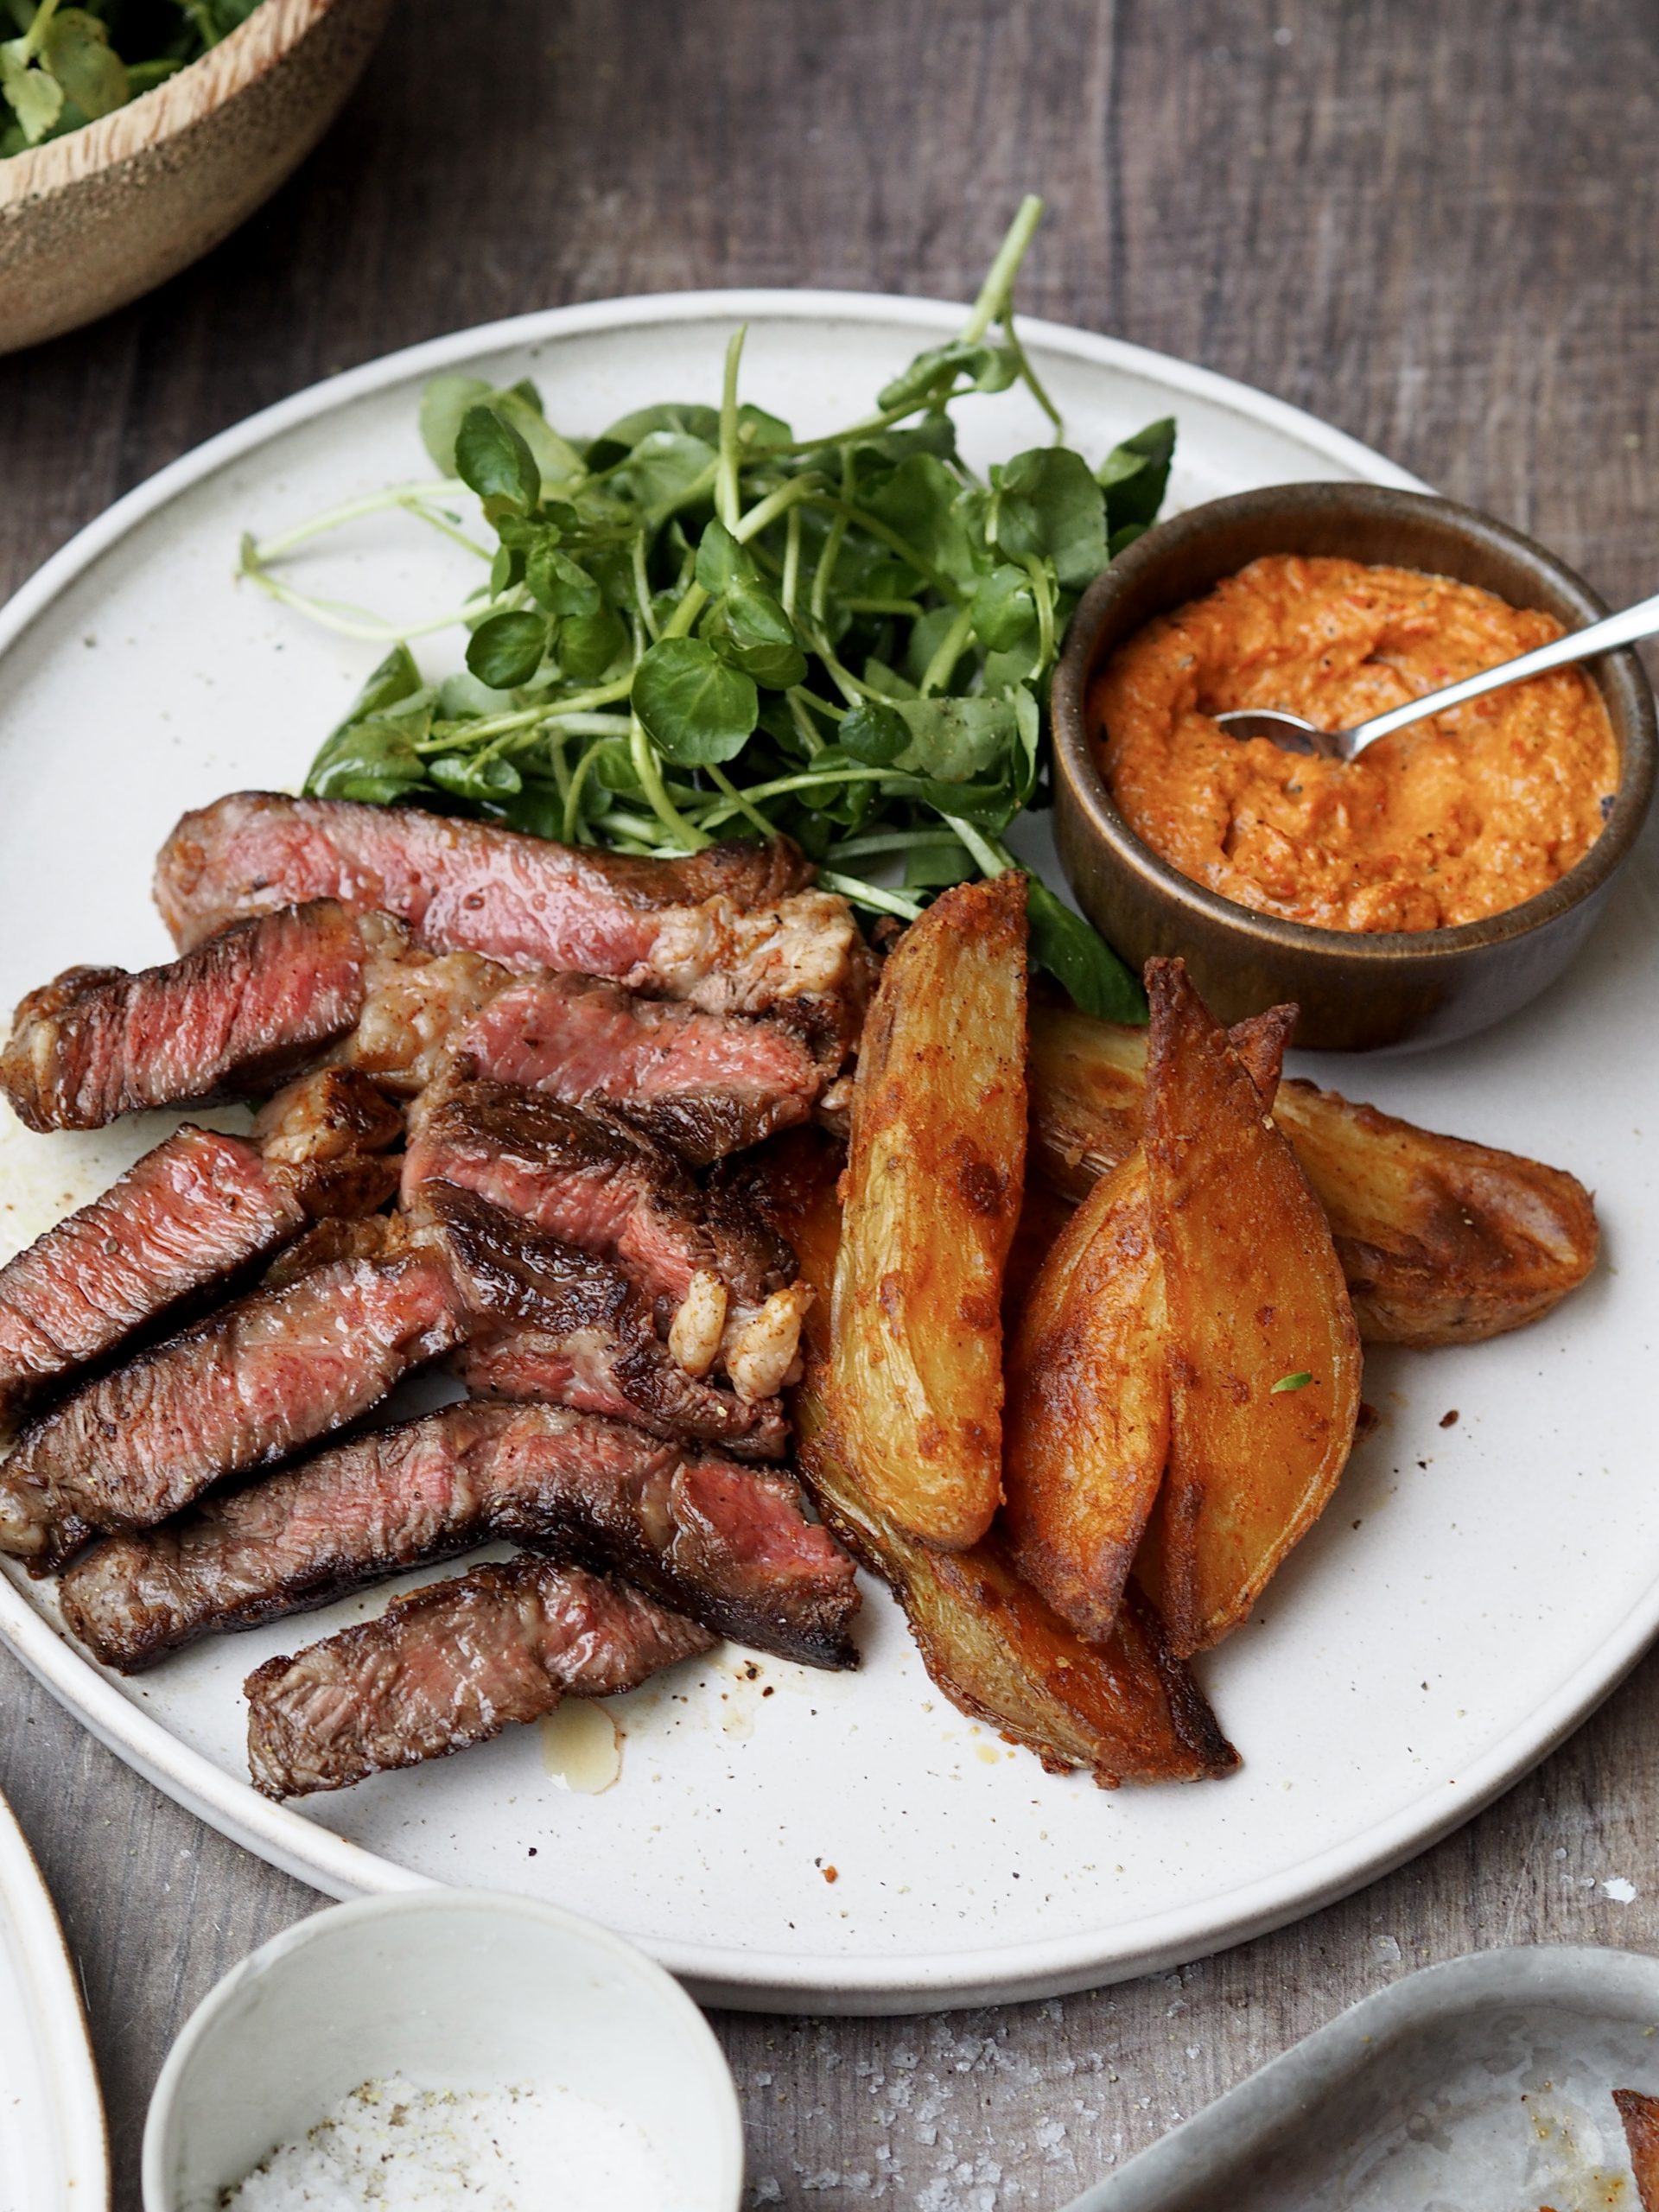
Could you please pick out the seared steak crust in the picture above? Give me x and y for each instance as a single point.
(707, 1084)
(590, 1179)
(731, 1548)
(459, 885)
(231, 1020)
(545, 1321)
(239, 1390)
(198, 1211)
(450, 1666)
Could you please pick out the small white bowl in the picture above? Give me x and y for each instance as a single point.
(463, 1989)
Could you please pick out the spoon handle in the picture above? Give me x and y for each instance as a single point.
(1623, 629)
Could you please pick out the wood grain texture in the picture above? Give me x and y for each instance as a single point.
(1432, 224)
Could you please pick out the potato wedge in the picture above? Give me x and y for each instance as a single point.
(1442, 1242)
(1124, 1712)
(1087, 1426)
(1265, 1357)
(931, 1197)
(1640, 2116)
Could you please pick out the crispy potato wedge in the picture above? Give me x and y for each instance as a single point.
(1127, 1712)
(1265, 1365)
(931, 1195)
(1641, 2117)
(1442, 1242)
(1087, 1426)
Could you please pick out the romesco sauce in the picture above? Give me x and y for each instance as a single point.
(1447, 822)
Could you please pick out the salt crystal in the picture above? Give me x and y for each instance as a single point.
(1620, 1890)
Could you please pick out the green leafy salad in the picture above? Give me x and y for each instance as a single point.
(698, 624)
(65, 67)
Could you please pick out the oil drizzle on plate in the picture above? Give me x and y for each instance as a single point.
(581, 1747)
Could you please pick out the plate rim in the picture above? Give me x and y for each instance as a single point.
(801, 1981)
(52, 1986)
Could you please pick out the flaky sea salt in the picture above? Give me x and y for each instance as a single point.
(395, 2148)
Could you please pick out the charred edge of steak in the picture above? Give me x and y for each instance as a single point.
(548, 1321)
(232, 1019)
(729, 1547)
(241, 1389)
(588, 1164)
(452, 1666)
(331, 1113)
(190, 1220)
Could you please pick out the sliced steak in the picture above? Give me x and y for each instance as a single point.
(707, 1084)
(732, 928)
(415, 1005)
(461, 886)
(450, 1666)
(200, 1209)
(328, 1136)
(241, 1390)
(731, 1548)
(721, 1282)
(232, 1019)
(545, 1321)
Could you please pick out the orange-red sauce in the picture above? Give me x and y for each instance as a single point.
(1449, 821)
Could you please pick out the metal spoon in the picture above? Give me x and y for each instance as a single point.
(1292, 734)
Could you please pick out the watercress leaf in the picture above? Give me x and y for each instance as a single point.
(614, 768)
(1064, 944)
(493, 460)
(556, 460)
(936, 434)
(462, 694)
(919, 500)
(695, 709)
(1004, 607)
(77, 51)
(987, 368)
(508, 649)
(927, 635)
(887, 681)
(558, 583)
(372, 762)
(475, 776)
(504, 569)
(620, 440)
(1135, 475)
(874, 733)
(758, 432)
(721, 561)
(955, 740)
(662, 469)
(396, 679)
(934, 868)
(1126, 536)
(538, 810)
(588, 643)
(1047, 504)
(748, 628)
(35, 96)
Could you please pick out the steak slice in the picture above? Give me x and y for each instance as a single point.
(706, 1083)
(232, 1019)
(730, 1547)
(545, 1321)
(241, 1390)
(459, 885)
(587, 1177)
(450, 1666)
(732, 928)
(200, 1208)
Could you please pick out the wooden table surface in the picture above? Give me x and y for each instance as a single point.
(1432, 224)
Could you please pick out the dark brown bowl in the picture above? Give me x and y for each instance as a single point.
(1399, 989)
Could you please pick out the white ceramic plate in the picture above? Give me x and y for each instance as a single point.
(1470, 1595)
(53, 2153)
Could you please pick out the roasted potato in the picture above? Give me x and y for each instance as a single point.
(1442, 1242)
(932, 1195)
(1087, 1427)
(1127, 1712)
(1641, 2117)
(1264, 1373)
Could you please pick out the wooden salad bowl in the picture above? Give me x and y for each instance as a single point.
(90, 220)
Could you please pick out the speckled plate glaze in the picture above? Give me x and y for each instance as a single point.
(53, 2153)
(1471, 1594)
